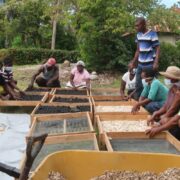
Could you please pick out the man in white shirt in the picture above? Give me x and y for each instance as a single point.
(128, 83)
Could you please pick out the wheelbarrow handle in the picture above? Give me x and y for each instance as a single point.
(11, 171)
(34, 146)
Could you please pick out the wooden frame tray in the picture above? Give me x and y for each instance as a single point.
(33, 114)
(139, 135)
(107, 99)
(87, 92)
(26, 103)
(115, 104)
(71, 97)
(67, 139)
(120, 117)
(62, 117)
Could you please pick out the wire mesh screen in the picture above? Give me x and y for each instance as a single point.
(143, 145)
(69, 125)
(51, 148)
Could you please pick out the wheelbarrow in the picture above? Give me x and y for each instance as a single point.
(84, 165)
(34, 145)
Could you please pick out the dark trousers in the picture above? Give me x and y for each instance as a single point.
(175, 131)
(139, 86)
(41, 82)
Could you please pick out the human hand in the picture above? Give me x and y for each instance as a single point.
(153, 131)
(135, 108)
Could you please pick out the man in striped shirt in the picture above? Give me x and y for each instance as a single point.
(147, 53)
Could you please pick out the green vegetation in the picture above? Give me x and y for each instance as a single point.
(88, 29)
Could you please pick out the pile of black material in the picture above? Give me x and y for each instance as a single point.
(28, 97)
(61, 109)
(70, 100)
(71, 92)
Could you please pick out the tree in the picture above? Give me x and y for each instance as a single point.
(100, 25)
(166, 19)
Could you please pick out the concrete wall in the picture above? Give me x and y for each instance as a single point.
(167, 38)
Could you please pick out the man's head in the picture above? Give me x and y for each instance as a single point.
(51, 62)
(80, 66)
(133, 71)
(7, 63)
(172, 74)
(140, 24)
(148, 75)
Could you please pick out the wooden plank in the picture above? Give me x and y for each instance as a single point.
(87, 93)
(173, 140)
(107, 143)
(134, 135)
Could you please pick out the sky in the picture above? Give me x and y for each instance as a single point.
(169, 3)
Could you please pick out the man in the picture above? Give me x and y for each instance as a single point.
(80, 77)
(166, 114)
(50, 75)
(10, 85)
(173, 74)
(154, 93)
(168, 123)
(147, 53)
(128, 83)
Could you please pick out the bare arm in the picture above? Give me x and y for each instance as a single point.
(142, 101)
(169, 124)
(71, 80)
(133, 63)
(122, 88)
(40, 70)
(156, 61)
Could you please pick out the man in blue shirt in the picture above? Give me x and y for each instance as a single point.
(147, 53)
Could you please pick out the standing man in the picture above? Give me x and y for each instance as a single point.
(147, 53)
(49, 77)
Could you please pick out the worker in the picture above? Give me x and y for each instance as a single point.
(172, 104)
(80, 77)
(50, 75)
(128, 83)
(172, 75)
(10, 85)
(147, 52)
(154, 93)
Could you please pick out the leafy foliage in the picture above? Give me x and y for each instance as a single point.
(23, 56)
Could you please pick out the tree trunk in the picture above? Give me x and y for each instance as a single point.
(53, 40)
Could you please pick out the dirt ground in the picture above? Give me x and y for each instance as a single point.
(23, 75)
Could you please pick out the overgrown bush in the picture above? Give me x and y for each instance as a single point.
(34, 56)
(169, 56)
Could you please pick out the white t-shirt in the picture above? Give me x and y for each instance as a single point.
(130, 84)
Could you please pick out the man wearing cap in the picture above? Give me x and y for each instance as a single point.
(50, 75)
(80, 77)
(166, 114)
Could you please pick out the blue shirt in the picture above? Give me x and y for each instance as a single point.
(147, 44)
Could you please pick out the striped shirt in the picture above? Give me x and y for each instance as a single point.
(147, 44)
(7, 75)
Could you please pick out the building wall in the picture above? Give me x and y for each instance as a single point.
(167, 39)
